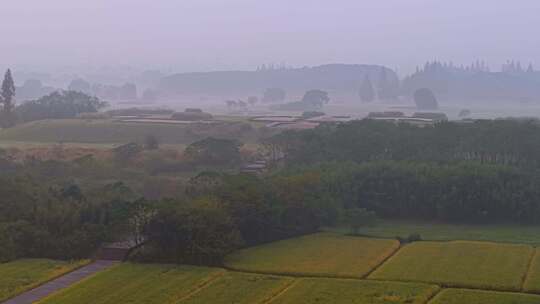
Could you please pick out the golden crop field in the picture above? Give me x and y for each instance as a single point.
(137, 283)
(240, 288)
(459, 264)
(532, 282)
(320, 291)
(322, 254)
(464, 296)
(22, 275)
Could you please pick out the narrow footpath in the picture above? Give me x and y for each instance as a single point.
(62, 282)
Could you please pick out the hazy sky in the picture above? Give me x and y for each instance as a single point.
(241, 34)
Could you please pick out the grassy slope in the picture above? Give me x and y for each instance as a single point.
(320, 291)
(463, 296)
(446, 232)
(240, 288)
(22, 275)
(459, 264)
(136, 283)
(323, 254)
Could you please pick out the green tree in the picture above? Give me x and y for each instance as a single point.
(316, 98)
(214, 151)
(367, 93)
(7, 96)
(357, 218)
(425, 99)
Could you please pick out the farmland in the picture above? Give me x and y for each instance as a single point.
(463, 296)
(22, 275)
(532, 282)
(240, 288)
(323, 254)
(137, 283)
(311, 291)
(434, 231)
(459, 264)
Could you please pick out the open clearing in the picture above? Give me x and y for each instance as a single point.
(22, 275)
(520, 234)
(532, 283)
(459, 264)
(137, 283)
(322, 254)
(464, 296)
(317, 291)
(240, 288)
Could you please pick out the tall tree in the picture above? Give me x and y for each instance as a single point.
(367, 93)
(7, 98)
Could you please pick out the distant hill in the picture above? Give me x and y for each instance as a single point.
(334, 78)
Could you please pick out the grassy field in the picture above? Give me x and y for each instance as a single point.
(323, 254)
(448, 232)
(459, 264)
(113, 132)
(137, 283)
(318, 291)
(463, 296)
(22, 275)
(532, 283)
(240, 288)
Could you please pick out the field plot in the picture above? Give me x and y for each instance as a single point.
(322, 254)
(532, 283)
(463, 296)
(459, 264)
(240, 288)
(22, 275)
(327, 291)
(519, 234)
(136, 283)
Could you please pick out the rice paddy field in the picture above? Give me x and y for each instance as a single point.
(322, 254)
(463, 296)
(532, 282)
(137, 283)
(22, 275)
(339, 291)
(240, 288)
(460, 264)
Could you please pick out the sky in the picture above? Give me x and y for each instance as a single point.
(203, 35)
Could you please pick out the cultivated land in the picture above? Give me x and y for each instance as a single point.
(316, 291)
(240, 288)
(137, 283)
(22, 275)
(460, 264)
(463, 296)
(532, 282)
(107, 131)
(429, 231)
(322, 254)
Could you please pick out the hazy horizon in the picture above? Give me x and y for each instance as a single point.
(203, 35)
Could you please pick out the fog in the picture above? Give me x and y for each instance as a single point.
(203, 35)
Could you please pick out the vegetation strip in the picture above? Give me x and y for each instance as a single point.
(203, 285)
(529, 269)
(468, 296)
(286, 288)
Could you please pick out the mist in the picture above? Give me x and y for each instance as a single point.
(205, 35)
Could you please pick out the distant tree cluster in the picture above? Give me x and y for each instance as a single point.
(127, 91)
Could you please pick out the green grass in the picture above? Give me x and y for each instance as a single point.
(463, 296)
(459, 264)
(447, 232)
(240, 288)
(136, 283)
(98, 131)
(322, 254)
(22, 275)
(320, 291)
(532, 283)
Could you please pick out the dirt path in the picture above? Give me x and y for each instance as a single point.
(62, 282)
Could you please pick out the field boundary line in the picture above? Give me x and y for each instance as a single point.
(211, 279)
(434, 295)
(381, 263)
(529, 266)
(282, 291)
